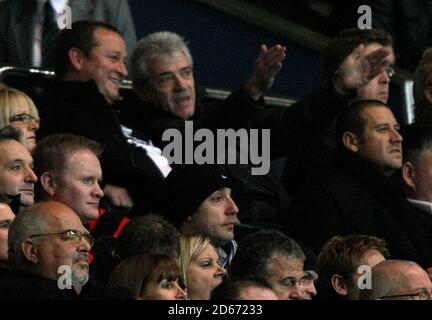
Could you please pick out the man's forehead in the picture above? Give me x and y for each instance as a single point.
(376, 114)
(11, 150)
(169, 62)
(284, 262)
(104, 37)
(375, 46)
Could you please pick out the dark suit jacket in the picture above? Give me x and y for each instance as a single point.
(357, 199)
(17, 20)
(78, 107)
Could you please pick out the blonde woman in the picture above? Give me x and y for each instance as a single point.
(18, 110)
(199, 265)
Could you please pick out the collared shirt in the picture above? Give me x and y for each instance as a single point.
(227, 253)
(138, 140)
(423, 205)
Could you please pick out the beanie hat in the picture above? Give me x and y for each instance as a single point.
(187, 186)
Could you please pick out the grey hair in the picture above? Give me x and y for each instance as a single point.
(152, 46)
(257, 251)
(30, 221)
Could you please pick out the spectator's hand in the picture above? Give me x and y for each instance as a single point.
(267, 66)
(358, 69)
(119, 196)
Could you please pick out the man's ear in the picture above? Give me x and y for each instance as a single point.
(351, 141)
(409, 174)
(339, 284)
(48, 183)
(76, 58)
(30, 250)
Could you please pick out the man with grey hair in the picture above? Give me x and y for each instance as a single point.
(48, 251)
(161, 68)
(398, 280)
(163, 79)
(275, 257)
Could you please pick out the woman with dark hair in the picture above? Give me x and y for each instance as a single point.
(149, 277)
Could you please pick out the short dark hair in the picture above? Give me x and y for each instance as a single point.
(257, 250)
(52, 152)
(231, 288)
(80, 36)
(351, 120)
(10, 133)
(344, 43)
(149, 234)
(417, 139)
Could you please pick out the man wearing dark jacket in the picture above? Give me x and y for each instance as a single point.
(356, 65)
(162, 73)
(90, 64)
(360, 196)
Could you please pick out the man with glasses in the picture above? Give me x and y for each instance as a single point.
(398, 280)
(49, 257)
(48, 251)
(17, 178)
(271, 255)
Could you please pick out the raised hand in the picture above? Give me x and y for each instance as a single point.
(267, 66)
(358, 69)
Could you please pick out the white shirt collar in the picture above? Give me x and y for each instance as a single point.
(424, 205)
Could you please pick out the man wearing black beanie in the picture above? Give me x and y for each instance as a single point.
(197, 200)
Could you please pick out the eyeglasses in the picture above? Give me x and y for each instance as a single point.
(74, 236)
(23, 117)
(421, 295)
(390, 70)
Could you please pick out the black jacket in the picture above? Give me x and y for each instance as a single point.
(78, 107)
(356, 199)
(261, 199)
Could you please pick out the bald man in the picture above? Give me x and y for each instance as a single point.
(398, 280)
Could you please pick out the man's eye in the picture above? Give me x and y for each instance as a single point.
(88, 180)
(165, 81)
(288, 283)
(216, 199)
(15, 167)
(186, 73)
